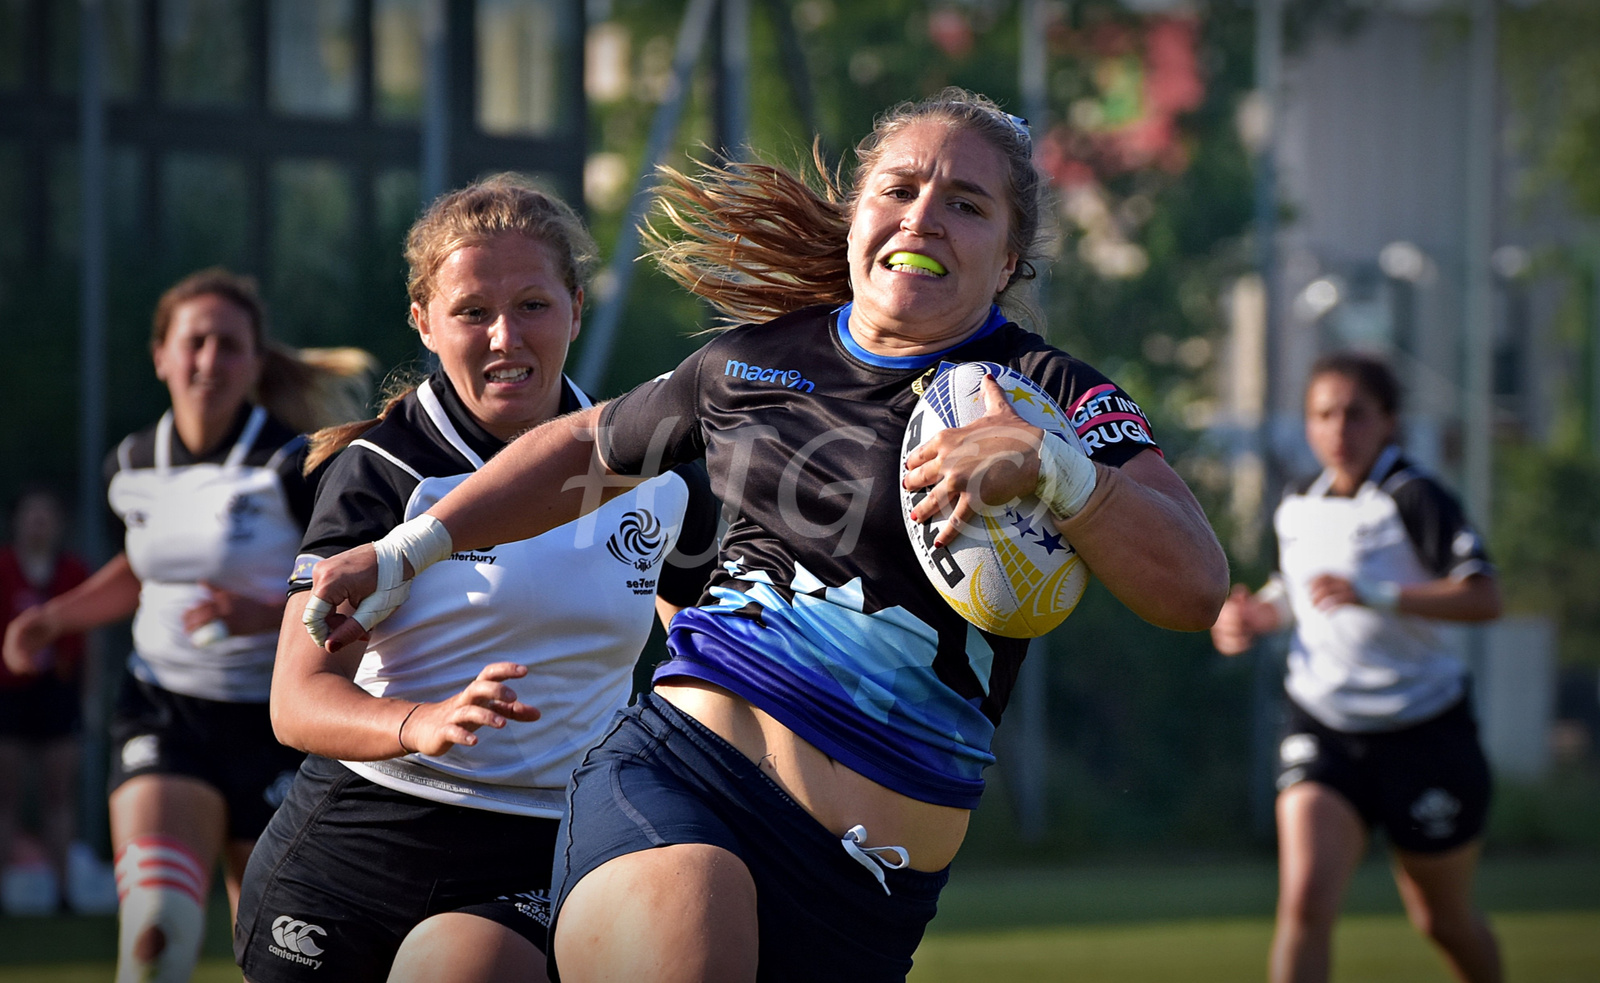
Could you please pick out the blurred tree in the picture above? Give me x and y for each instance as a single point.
(1551, 54)
(1547, 530)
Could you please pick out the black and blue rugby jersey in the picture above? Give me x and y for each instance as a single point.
(819, 613)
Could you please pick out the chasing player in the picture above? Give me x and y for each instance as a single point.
(441, 746)
(214, 501)
(1373, 554)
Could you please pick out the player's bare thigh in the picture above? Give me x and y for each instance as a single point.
(685, 912)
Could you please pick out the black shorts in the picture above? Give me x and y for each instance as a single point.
(229, 746)
(660, 777)
(1427, 785)
(45, 708)
(348, 867)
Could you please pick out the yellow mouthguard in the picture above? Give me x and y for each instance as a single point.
(918, 260)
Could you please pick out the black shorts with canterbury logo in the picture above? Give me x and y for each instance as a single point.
(347, 868)
(1427, 785)
(229, 746)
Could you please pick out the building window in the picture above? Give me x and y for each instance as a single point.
(520, 48)
(205, 55)
(313, 57)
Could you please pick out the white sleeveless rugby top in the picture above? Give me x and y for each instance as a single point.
(574, 605)
(226, 524)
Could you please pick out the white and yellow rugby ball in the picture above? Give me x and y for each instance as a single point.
(1013, 574)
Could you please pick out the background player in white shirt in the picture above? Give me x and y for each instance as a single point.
(434, 787)
(214, 500)
(1372, 555)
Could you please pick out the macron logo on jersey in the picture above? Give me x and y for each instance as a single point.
(787, 378)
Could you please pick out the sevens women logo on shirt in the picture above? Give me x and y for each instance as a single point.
(639, 540)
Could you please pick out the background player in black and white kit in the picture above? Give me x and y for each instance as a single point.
(418, 801)
(214, 501)
(786, 801)
(1373, 553)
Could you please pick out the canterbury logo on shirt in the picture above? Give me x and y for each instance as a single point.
(787, 378)
(294, 941)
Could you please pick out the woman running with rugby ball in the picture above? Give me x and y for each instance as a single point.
(214, 500)
(1373, 554)
(785, 803)
(419, 799)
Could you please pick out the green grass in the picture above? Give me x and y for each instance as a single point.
(1195, 922)
(1548, 947)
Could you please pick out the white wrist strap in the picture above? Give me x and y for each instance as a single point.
(1066, 475)
(1379, 595)
(422, 541)
(1276, 594)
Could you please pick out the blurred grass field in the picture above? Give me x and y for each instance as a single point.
(1196, 922)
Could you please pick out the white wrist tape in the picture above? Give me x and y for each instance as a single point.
(1066, 475)
(210, 633)
(422, 541)
(1379, 595)
(1276, 594)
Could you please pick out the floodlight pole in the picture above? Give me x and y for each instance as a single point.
(1477, 395)
(92, 380)
(733, 79)
(1266, 657)
(1028, 764)
(618, 275)
(435, 169)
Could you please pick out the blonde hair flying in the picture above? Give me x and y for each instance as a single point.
(757, 240)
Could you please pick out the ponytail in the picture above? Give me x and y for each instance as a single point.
(311, 388)
(755, 240)
(331, 440)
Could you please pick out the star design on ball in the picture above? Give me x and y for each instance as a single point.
(1023, 524)
(1051, 544)
(1021, 394)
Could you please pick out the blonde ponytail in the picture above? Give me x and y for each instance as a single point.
(312, 388)
(331, 440)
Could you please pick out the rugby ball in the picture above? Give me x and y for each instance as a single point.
(1012, 575)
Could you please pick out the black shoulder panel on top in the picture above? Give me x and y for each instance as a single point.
(1438, 528)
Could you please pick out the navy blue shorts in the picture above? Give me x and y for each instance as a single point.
(347, 868)
(229, 746)
(660, 777)
(1426, 786)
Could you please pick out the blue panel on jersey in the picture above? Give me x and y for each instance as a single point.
(842, 323)
(860, 687)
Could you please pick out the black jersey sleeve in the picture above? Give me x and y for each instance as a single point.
(299, 488)
(1111, 425)
(115, 529)
(656, 425)
(359, 499)
(1445, 541)
(688, 566)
